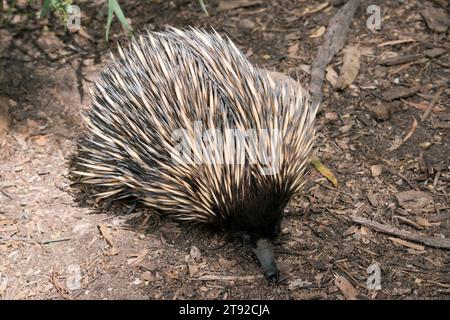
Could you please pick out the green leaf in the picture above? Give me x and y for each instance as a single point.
(45, 8)
(202, 4)
(324, 171)
(114, 8)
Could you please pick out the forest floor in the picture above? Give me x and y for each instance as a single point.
(391, 162)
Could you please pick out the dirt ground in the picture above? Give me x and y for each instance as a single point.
(56, 243)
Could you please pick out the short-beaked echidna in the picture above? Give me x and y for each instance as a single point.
(178, 90)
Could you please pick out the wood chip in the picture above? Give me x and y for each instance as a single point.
(392, 61)
(381, 111)
(413, 199)
(226, 5)
(442, 3)
(435, 52)
(193, 270)
(4, 118)
(376, 170)
(227, 263)
(397, 93)
(106, 234)
(407, 244)
(436, 19)
(346, 288)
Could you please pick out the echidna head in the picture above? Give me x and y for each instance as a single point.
(258, 224)
(263, 249)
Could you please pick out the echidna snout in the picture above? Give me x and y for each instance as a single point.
(264, 252)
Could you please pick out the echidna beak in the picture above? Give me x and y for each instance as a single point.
(264, 253)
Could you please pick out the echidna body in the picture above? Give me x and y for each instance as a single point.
(156, 94)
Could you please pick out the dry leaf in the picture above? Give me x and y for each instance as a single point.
(138, 258)
(350, 68)
(411, 132)
(41, 140)
(331, 76)
(425, 223)
(363, 231)
(227, 263)
(318, 33)
(424, 106)
(324, 171)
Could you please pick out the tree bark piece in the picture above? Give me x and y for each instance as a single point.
(441, 243)
(334, 41)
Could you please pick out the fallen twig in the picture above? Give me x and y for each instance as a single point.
(6, 195)
(59, 288)
(395, 42)
(280, 250)
(430, 107)
(227, 278)
(334, 41)
(411, 132)
(4, 239)
(442, 243)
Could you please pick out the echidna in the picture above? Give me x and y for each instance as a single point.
(181, 90)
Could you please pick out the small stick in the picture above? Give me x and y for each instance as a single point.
(6, 195)
(442, 243)
(212, 277)
(430, 107)
(4, 239)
